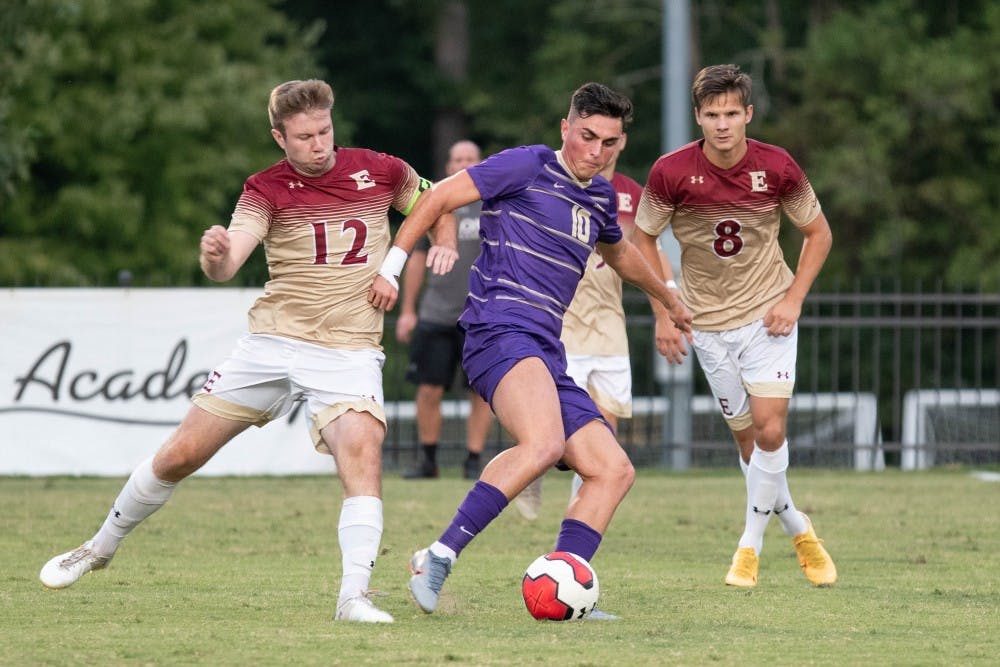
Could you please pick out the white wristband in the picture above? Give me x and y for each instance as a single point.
(671, 284)
(393, 265)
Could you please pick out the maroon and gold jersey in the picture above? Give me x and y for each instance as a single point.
(726, 222)
(324, 238)
(595, 321)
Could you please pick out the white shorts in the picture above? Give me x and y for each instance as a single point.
(265, 375)
(608, 380)
(745, 362)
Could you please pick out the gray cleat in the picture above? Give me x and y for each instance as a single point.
(429, 572)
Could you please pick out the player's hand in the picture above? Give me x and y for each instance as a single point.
(405, 325)
(681, 316)
(670, 341)
(215, 244)
(441, 259)
(382, 294)
(781, 319)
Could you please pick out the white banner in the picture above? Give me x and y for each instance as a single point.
(92, 381)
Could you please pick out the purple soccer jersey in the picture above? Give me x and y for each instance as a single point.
(538, 227)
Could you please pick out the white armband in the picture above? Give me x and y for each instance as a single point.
(671, 284)
(393, 265)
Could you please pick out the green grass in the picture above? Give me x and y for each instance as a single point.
(245, 571)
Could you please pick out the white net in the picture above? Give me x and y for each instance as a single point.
(942, 426)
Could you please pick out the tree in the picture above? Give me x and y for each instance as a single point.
(131, 125)
(897, 115)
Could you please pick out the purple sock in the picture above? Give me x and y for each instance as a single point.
(483, 503)
(578, 538)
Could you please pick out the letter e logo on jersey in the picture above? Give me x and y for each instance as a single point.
(625, 202)
(363, 179)
(757, 182)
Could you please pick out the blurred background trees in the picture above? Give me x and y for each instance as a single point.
(126, 127)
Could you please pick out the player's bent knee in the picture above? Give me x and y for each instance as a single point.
(618, 473)
(770, 437)
(177, 460)
(625, 476)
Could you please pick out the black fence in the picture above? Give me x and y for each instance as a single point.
(885, 378)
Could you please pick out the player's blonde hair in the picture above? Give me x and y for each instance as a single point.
(292, 97)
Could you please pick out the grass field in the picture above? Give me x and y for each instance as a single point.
(246, 570)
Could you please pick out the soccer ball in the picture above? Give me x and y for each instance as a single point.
(560, 586)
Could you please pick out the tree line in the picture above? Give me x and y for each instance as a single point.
(128, 126)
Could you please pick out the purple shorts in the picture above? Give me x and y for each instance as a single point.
(490, 352)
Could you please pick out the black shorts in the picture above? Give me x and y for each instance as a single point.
(435, 354)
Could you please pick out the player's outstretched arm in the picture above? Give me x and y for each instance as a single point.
(444, 244)
(443, 197)
(413, 281)
(669, 336)
(223, 252)
(630, 264)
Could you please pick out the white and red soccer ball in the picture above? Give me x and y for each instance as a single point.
(560, 586)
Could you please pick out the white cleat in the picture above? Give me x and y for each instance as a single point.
(361, 610)
(529, 501)
(63, 570)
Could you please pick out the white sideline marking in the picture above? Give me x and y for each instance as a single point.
(986, 476)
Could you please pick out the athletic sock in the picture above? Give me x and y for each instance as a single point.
(472, 456)
(578, 538)
(764, 477)
(784, 507)
(143, 494)
(482, 504)
(359, 534)
(430, 452)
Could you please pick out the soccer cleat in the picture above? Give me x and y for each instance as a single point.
(470, 469)
(529, 500)
(743, 571)
(813, 558)
(429, 572)
(361, 609)
(598, 615)
(423, 470)
(65, 569)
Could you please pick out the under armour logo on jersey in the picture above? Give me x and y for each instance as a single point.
(295, 184)
(363, 179)
(697, 179)
(757, 182)
(783, 375)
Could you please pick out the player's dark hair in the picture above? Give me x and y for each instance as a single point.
(292, 97)
(716, 80)
(597, 99)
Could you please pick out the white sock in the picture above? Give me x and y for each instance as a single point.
(765, 476)
(444, 551)
(359, 533)
(784, 507)
(143, 494)
(744, 466)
